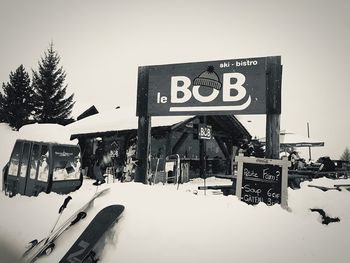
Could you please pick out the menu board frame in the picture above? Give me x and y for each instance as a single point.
(252, 184)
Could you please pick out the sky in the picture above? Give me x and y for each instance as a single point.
(102, 43)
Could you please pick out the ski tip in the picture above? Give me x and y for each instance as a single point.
(114, 209)
(104, 191)
(100, 193)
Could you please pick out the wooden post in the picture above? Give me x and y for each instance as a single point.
(273, 107)
(227, 153)
(144, 127)
(202, 152)
(308, 135)
(180, 142)
(168, 148)
(143, 149)
(203, 155)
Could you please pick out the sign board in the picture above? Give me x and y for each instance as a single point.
(262, 180)
(204, 131)
(232, 86)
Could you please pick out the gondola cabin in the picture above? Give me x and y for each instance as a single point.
(36, 167)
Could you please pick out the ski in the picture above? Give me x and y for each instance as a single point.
(342, 186)
(324, 188)
(46, 245)
(35, 242)
(83, 248)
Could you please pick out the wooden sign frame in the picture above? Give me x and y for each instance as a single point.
(273, 71)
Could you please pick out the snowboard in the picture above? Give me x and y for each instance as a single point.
(82, 249)
(46, 245)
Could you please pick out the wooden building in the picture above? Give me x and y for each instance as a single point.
(170, 135)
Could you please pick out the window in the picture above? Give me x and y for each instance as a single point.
(66, 163)
(34, 161)
(14, 162)
(43, 174)
(25, 159)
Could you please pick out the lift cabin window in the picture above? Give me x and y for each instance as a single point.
(14, 162)
(43, 173)
(34, 161)
(66, 163)
(25, 159)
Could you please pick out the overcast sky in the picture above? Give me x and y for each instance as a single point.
(102, 43)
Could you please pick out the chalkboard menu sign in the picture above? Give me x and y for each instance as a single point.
(262, 180)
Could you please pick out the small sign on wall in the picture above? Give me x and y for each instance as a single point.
(204, 131)
(262, 180)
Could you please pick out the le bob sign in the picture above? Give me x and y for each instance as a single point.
(232, 86)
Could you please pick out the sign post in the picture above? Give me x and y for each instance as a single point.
(143, 147)
(231, 86)
(262, 180)
(202, 150)
(273, 107)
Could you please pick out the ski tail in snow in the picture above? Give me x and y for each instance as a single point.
(83, 249)
(46, 245)
(35, 242)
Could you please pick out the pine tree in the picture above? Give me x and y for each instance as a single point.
(51, 103)
(346, 155)
(2, 117)
(16, 104)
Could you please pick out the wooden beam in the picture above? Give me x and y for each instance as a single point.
(144, 127)
(202, 152)
(273, 107)
(143, 149)
(168, 149)
(180, 142)
(223, 147)
(181, 124)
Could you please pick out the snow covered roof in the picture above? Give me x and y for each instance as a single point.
(117, 120)
(290, 139)
(46, 132)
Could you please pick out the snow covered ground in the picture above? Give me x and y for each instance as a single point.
(163, 224)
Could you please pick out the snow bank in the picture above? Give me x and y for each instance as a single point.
(46, 132)
(7, 140)
(161, 224)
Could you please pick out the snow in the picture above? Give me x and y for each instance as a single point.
(163, 224)
(7, 140)
(46, 132)
(117, 119)
(295, 140)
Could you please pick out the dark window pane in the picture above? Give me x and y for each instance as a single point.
(44, 164)
(66, 163)
(14, 162)
(25, 159)
(34, 161)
